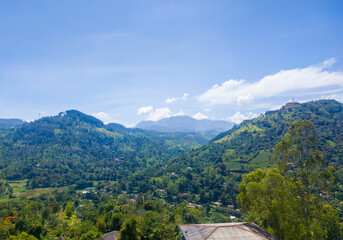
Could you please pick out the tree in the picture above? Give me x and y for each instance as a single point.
(91, 235)
(302, 164)
(101, 224)
(129, 230)
(69, 209)
(23, 236)
(116, 221)
(266, 197)
(286, 201)
(5, 227)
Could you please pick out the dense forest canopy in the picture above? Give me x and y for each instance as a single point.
(61, 150)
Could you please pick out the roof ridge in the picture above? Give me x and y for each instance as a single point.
(211, 233)
(253, 232)
(215, 226)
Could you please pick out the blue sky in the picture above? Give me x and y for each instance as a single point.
(127, 61)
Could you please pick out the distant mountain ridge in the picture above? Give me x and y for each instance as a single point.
(186, 124)
(9, 123)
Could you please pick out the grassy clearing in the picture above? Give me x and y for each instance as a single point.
(262, 160)
(19, 189)
(35, 192)
(18, 186)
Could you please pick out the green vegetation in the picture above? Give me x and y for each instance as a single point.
(289, 201)
(18, 186)
(88, 216)
(71, 147)
(212, 173)
(84, 179)
(5, 189)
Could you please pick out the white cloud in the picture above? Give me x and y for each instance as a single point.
(299, 79)
(328, 63)
(199, 116)
(277, 107)
(105, 117)
(145, 110)
(181, 113)
(170, 100)
(159, 114)
(173, 99)
(207, 109)
(238, 117)
(338, 97)
(241, 100)
(101, 115)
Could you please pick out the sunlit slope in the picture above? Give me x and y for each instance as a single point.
(250, 145)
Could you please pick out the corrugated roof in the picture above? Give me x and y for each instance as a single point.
(224, 231)
(111, 235)
(195, 232)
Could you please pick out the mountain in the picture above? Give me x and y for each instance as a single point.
(10, 123)
(209, 128)
(249, 145)
(73, 146)
(175, 141)
(212, 172)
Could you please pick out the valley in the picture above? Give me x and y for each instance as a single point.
(75, 177)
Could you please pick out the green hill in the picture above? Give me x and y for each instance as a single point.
(249, 145)
(63, 149)
(212, 172)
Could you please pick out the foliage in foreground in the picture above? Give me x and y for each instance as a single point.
(290, 201)
(89, 216)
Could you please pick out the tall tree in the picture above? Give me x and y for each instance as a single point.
(130, 230)
(267, 198)
(302, 164)
(287, 201)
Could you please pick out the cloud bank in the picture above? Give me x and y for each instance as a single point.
(154, 115)
(239, 117)
(199, 116)
(145, 110)
(174, 99)
(104, 117)
(101, 115)
(170, 100)
(300, 79)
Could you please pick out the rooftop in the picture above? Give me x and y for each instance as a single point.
(224, 231)
(111, 235)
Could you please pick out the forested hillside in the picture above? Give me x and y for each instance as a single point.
(249, 145)
(145, 182)
(212, 172)
(63, 149)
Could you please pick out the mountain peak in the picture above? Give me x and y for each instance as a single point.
(185, 124)
(71, 116)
